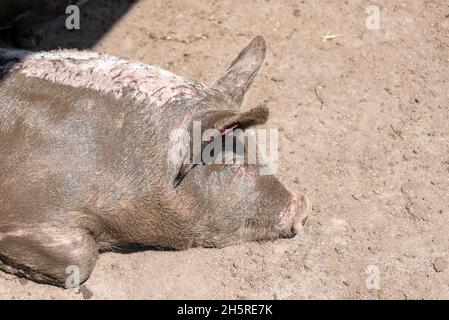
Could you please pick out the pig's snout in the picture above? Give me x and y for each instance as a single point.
(293, 217)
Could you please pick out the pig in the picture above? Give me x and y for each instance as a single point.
(85, 162)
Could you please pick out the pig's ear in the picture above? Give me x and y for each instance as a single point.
(243, 120)
(237, 79)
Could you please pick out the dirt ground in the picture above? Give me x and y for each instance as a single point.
(363, 120)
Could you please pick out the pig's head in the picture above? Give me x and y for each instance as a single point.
(231, 203)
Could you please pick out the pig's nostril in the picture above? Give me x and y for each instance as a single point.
(292, 232)
(288, 235)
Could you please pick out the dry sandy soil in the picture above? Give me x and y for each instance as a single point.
(363, 121)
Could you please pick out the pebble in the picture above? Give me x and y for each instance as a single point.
(340, 248)
(85, 291)
(440, 264)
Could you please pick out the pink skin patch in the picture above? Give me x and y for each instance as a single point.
(119, 123)
(228, 130)
(287, 217)
(243, 171)
(88, 106)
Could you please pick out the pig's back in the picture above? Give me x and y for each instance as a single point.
(102, 73)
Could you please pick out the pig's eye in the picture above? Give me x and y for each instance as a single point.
(185, 169)
(181, 174)
(178, 179)
(237, 147)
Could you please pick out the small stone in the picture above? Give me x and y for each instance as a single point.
(87, 294)
(340, 249)
(372, 249)
(307, 266)
(440, 264)
(277, 79)
(296, 12)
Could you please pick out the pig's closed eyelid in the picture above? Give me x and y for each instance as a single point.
(182, 174)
